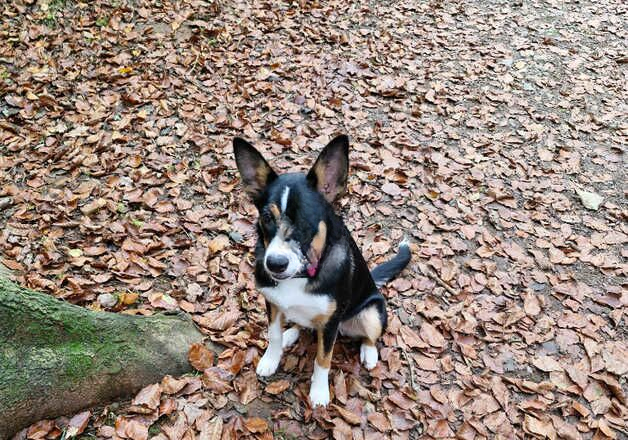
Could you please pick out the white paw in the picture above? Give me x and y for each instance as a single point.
(319, 395)
(290, 336)
(368, 356)
(268, 364)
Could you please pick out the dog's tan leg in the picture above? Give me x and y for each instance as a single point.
(366, 325)
(270, 361)
(319, 389)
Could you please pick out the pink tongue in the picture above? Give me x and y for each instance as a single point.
(311, 270)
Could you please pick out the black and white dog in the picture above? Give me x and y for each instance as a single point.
(308, 267)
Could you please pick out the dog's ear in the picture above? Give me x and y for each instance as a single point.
(255, 172)
(329, 173)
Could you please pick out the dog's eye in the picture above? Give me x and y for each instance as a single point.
(266, 219)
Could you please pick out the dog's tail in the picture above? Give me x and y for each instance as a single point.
(390, 269)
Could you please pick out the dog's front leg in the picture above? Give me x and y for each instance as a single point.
(270, 361)
(319, 390)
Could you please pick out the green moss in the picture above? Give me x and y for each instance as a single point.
(79, 360)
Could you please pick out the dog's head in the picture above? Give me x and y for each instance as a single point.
(293, 207)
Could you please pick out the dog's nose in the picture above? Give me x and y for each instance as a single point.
(277, 263)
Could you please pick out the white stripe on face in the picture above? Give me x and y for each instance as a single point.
(284, 198)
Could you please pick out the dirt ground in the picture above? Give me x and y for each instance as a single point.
(490, 133)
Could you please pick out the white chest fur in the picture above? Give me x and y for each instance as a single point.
(295, 303)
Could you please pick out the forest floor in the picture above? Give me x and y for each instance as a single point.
(491, 133)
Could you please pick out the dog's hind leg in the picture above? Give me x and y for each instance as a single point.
(368, 325)
(290, 336)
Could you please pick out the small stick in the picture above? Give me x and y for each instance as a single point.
(412, 381)
(434, 276)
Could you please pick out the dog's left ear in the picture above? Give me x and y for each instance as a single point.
(329, 173)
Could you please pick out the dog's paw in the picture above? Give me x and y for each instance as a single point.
(268, 364)
(290, 336)
(368, 356)
(319, 395)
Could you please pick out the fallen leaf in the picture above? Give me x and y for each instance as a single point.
(546, 363)
(379, 421)
(93, 206)
(277, 387)
(218, 243)
(211, 430)
(77, 424)
(349, 416)
(217, 380)
(148, 396)
(431, 335)
(136, 430)
(200, 357)
(256, 424)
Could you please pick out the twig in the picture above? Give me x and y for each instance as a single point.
(412, 381)
(442, 283)
(189, 72)
(438, 280)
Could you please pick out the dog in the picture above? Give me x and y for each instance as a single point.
(308, 267)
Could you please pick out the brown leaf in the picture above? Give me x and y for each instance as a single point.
(349, 416)
(439, 429)
(608, 432)
(342, 430)
(379, 421)
(170, 385)
(256, 424)
(531, 304)
(162, 301)
(77, 424)
(500, 391)
(93, 206)
(411, 339)
(176, 430)
(218, 319)
(40, 429)
(340, 387)
(136, 430)
(431, 335)
(533, 425)
(576, 374)
(148, 396)
(615, 359)
(277, 387)
(401, 400)
(218, 243)
(546, 363)
(247, 386)
(211, 430)
(564, 429)
(200, 357)
(217, 380)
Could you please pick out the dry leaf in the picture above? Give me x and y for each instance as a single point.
(431, 335)
(148, 396)
(277, 387)
(200, 357)
(77, 424)
(349, 416)
(256, 424)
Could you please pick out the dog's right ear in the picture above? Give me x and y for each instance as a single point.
(255, 172)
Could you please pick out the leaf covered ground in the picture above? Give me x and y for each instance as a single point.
(491, 133)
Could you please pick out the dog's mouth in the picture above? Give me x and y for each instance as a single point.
(280, 276)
